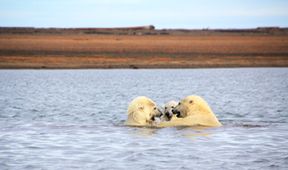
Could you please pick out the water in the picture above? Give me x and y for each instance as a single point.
(73, 119)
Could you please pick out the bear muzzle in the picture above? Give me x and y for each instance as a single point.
(177, 113)
(158, 115)
(168, 115)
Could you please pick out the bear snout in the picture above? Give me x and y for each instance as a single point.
(168, 115)
(159, 113)
(176, 112)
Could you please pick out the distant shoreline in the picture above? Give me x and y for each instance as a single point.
(143, 30)
(93, 63)
(141, 47)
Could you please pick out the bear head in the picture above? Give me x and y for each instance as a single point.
(143, 111)
(191, 105)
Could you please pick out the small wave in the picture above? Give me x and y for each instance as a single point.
(245, 124)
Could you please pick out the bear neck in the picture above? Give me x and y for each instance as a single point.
(139, 118)
(199, 111)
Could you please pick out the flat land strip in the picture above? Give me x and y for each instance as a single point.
(142, 51)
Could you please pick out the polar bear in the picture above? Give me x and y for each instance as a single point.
(142, 112)
(168, 114)
(192, 111)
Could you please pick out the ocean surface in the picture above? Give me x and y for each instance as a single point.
(73, 119)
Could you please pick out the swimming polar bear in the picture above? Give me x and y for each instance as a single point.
(142, 112)
(192, 111)
(168, 114)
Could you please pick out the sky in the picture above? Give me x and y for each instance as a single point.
(190, 14)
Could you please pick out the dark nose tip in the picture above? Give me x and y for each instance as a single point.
(176, 112)
(173, 111)
(168, 116)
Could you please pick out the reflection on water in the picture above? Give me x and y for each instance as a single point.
(144, 132)
(73, 119)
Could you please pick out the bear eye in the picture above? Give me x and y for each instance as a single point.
(179, 103)
(165, 107)
(172, 107)
(154, 108)
(191, 101)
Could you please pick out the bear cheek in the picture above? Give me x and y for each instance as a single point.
(181, 108)
(149, 116)
(184, 111)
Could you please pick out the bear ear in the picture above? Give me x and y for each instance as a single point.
(141, 107)
(191, 101)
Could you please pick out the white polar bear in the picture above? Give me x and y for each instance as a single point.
(142, 112)
(192, 111)
(168, 114)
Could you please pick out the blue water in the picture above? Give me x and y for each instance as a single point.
(73, 119)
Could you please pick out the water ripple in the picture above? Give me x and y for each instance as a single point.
(73, 119)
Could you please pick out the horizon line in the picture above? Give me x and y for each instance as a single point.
(151, 27)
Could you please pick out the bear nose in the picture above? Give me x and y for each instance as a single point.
(168, 115)
(176, 112)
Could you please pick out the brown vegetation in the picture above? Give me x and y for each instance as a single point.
(149, 51)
